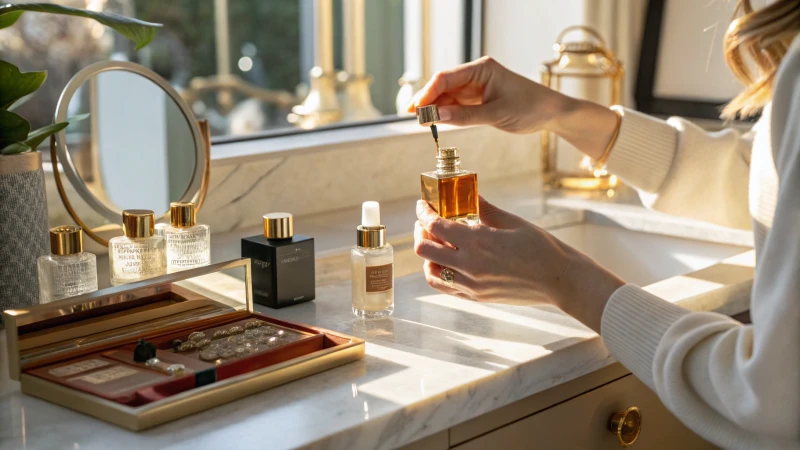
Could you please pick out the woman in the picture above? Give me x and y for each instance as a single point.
(736, 385)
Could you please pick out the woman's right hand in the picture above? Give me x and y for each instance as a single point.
(485, 92)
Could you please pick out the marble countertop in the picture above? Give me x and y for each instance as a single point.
(437, 362)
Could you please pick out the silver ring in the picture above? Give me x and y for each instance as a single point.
(448, 276)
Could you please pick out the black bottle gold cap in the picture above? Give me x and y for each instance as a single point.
(428, 115)
(279, 225)
(182, 214)
(138, 223)
(66, 240)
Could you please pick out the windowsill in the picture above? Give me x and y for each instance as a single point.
(318, 141)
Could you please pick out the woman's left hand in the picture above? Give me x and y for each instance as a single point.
(507, 259)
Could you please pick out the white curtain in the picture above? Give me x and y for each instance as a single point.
(621, 23)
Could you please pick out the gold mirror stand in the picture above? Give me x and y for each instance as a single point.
(205, 134)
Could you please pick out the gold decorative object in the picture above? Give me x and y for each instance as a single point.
(321, 106)
(591, 67)
(626, 425)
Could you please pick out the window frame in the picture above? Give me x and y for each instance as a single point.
(472, 49)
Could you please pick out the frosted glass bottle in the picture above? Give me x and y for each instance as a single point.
(68, 271)
(139, 254)
(372, 267)
(188, 244)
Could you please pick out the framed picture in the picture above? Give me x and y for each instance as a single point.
(682, 68)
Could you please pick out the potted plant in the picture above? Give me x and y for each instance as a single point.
(23, 204)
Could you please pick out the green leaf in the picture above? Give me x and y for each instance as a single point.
(16, 147)
(17, 84)
(13, 128)
(139, 31)
(36, 137)
(6, 20)
(21, 101)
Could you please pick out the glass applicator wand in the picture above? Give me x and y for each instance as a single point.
(428, 116)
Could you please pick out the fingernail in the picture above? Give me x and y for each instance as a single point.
(445, 114)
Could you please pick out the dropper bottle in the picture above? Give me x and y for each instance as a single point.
(372, 266)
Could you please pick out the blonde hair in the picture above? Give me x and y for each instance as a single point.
(762, 38)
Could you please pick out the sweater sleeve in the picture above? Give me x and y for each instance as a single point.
(669, 161)
(736, 385)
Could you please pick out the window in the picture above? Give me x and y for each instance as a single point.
(245, 64)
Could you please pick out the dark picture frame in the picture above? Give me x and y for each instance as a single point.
(646, 101)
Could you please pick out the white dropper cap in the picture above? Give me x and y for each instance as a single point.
(370, 214)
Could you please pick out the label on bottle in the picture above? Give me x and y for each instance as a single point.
(379, 278)
(78, 367)
(104, 376)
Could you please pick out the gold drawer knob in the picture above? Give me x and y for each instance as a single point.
(626, 426)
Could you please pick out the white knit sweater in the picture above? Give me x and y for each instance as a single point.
(736, 385)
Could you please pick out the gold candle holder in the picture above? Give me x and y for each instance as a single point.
(589, 64)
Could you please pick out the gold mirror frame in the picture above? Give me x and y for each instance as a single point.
(200, 130)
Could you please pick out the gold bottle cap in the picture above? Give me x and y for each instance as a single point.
(181, 214)
(66, 240)
(279, 225)
(428, 115)
(138, 223)
(371, 237)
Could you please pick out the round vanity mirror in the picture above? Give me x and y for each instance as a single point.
(132, 143)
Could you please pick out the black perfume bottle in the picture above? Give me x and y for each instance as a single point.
(282, 263)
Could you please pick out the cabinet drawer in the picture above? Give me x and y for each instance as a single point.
(581, 423)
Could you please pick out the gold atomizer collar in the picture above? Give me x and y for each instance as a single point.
(66, 240)
(138, 223)
(448, 161)
(279, 225)
(371, 237)
(428, 115)
(181, 214)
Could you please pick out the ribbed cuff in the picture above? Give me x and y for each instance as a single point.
(643, 152)
(634, 321)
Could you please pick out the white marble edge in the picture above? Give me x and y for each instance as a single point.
(639, 218)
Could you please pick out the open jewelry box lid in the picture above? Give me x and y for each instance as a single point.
(109, 316)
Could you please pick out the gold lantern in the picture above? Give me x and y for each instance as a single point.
(589, 70)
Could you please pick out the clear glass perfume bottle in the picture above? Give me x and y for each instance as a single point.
(452, 191)
(372, 267)
(68, 271)
(139, 254)
(188, 244)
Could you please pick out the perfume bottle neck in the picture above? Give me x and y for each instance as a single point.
(448, 166)
(448, 161)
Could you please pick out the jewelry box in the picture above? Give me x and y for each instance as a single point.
(142, 354)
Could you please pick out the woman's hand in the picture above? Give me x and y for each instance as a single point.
(484, 92)
(507, 259)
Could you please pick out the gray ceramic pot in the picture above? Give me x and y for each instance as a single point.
(23, 228)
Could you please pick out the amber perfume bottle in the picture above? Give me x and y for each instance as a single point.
(451, 190)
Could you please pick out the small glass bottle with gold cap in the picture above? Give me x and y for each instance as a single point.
(139, 254)
(69, 271)
(188, 244)
(372, 266)
(282, 263)
(450, 190)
